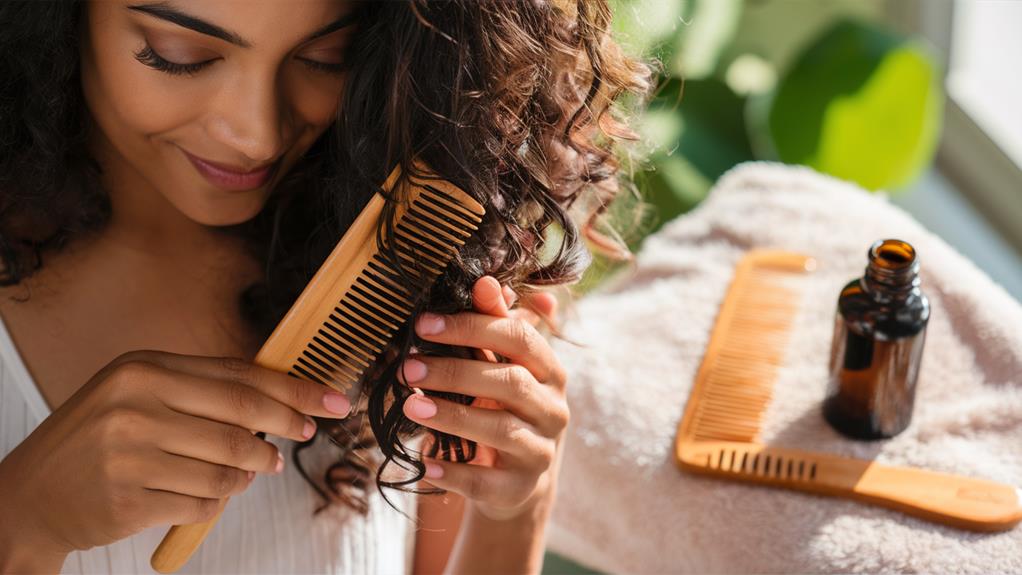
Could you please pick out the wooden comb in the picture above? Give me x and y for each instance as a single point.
(719, 432)
(356, 301)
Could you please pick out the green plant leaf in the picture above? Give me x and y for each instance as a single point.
(710, 119)
(860, 103)
(885, 135)
(697, 132)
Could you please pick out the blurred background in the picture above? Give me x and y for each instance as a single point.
(915, 99)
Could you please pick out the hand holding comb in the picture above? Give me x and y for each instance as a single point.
(348, 313)
(719, 432)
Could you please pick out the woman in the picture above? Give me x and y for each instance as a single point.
(172, 173)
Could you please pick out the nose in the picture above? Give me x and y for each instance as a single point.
(250, 120)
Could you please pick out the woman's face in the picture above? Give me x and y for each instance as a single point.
(175, 86)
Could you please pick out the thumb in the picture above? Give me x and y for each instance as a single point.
(488, 298)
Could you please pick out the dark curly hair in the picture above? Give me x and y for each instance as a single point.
(521, 104)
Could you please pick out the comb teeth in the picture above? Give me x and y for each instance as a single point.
(350, 309)
(717, 435)
(426, 236)
(735, 382)
(369, 285)
(749, 461)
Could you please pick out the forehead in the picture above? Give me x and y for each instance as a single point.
(249, 23)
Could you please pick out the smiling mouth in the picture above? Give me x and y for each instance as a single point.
(230, 178)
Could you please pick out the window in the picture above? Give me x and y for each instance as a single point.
(983, 76)
(981, 148)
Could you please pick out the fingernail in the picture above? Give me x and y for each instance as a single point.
(421, 406)
(429, 324)
(309, 429)
(413, 370)
(433, 471)
(336, 403)
(280, 463)
(494, 282)
(510, 295)
(251, 474)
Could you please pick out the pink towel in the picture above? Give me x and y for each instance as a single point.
(623, 506)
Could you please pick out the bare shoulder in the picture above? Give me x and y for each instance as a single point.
(41, 314)
(35, 296)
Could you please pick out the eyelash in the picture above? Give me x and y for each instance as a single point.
(150, 58)
(324, 67)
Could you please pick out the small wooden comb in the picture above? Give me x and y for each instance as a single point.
(350, 310)
(719, 432)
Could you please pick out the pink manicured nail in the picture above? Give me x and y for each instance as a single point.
(309, 429)
(413, 370)
(336, 403)
(422, 407)
(280, 463)
(433, 471)
(429, 324)
(251, 474)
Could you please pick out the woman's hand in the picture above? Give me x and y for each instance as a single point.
(153, 438)
(520, 413)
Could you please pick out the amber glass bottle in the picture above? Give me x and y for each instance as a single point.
(877, 347)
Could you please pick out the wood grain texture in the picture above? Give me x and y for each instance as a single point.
(719, 432)
(350, 309)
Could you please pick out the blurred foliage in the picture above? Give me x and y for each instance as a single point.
(861, 104)
(815, 82)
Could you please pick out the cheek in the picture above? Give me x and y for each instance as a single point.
(130, 100)
(315, 100)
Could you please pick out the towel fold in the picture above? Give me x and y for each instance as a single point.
(624, 507)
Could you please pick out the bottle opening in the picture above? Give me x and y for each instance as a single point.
(892, 254)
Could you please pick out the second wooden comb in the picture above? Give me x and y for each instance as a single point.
(719, 432)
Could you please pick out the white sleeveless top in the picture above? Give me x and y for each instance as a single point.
(269, 528)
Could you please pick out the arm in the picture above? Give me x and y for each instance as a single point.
(514, 545)
(483, 543)
(22, 557)
(440, 519)
(19, 554)
(22, 549)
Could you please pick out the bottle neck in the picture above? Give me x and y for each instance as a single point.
(893, 271)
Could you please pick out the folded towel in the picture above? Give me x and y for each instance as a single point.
(623, 506)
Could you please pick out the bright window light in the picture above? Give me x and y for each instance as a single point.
(986, 58)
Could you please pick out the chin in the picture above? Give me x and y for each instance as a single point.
(236, 209)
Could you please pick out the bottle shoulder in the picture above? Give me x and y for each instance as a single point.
(885, 320)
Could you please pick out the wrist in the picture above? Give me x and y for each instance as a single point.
(23, 549)
(535, 510)
(514, 544)
(22, 554)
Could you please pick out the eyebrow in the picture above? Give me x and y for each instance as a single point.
(165, 11)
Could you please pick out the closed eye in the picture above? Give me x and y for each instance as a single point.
(331, 67)
(151, 58)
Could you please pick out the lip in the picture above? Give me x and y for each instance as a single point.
(231, 179)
